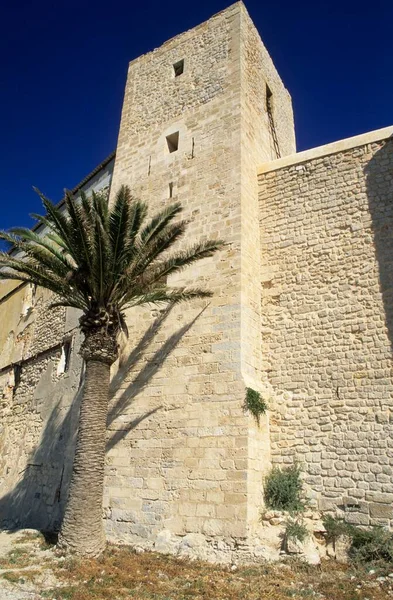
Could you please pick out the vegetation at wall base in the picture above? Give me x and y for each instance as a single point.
(122, 574)
(295, 530)
(335, 528)
(283, 489)
(367, 545)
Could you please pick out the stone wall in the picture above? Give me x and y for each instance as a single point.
(39, 397)
(38, 409)
(192, 464)
(327, 314)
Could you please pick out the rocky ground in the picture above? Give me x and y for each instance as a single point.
(30, 569)
(25, 565)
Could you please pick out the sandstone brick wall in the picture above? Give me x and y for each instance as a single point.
(39, 401)
(37, 411)
(257, 72)
(326, 228)
(185, 466)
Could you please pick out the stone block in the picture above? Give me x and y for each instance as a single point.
(379, 510)
(379, 497)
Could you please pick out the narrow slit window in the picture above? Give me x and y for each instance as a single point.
(170, 190)
(178, 68)
(269, 99)
(17, 377)
(64, 362)
(67, 355)
(272, 126)
(172, 141)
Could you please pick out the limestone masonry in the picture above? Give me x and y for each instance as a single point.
(302, 312)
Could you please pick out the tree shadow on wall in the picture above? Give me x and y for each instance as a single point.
(38, 499)
(379, 181)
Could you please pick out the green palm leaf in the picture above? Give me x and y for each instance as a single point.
(104, 260)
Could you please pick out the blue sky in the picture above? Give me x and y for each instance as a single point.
(64, 64)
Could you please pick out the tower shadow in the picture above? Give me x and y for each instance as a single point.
(379, 181)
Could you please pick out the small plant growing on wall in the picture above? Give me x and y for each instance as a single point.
(335, 528)
(295, 531)
(255, 404)
(283, 489)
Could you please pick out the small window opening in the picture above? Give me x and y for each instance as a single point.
(172, 141)
(64, 362)
(178, 68)
(171, 189)
(17, 377)
(29, 300)
(272, 126)
(269, 99)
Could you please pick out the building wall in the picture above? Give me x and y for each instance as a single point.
(188, 402)
(258, 73)
(39, 398)
(327, 322)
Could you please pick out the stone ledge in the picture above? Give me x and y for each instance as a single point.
(321, 151)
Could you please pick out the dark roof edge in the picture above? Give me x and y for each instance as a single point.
(97, 169)
(86, 179)
(93, 172)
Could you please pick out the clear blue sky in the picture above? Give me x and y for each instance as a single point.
(63, 69)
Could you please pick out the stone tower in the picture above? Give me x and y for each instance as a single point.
(302, 311)
(200, 114)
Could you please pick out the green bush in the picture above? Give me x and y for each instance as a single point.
(283, 489)
(336, 528)
(255, 404)
(370, 545)
(295, 530)
(366, 545)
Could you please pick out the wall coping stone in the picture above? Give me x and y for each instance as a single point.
(320, 151)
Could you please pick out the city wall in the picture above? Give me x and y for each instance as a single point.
(326, 218)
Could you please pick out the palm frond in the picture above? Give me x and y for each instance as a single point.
(181, 259)
(160, 221)
(36, 273)
(28, 235)
(167, 295)
(119, 223)
(103, 259)
(56, 220)
(80, 231)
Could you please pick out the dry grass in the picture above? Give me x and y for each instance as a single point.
(18, 557)
(121, 573)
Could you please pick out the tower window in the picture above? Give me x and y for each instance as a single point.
(178, 68)
(64, 362)
(171, 189)
(269, 99)
(272, 126)
(172, 141)
(17, 376)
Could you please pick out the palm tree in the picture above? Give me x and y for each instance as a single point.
(101, 260)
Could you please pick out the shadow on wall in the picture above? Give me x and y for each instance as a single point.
(38, 500)
(379, 180)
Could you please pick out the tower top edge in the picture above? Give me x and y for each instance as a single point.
(234, 8)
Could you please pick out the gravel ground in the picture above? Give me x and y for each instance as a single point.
(12, 591)
(17, 541)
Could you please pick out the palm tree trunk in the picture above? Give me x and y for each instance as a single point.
(82, 531)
